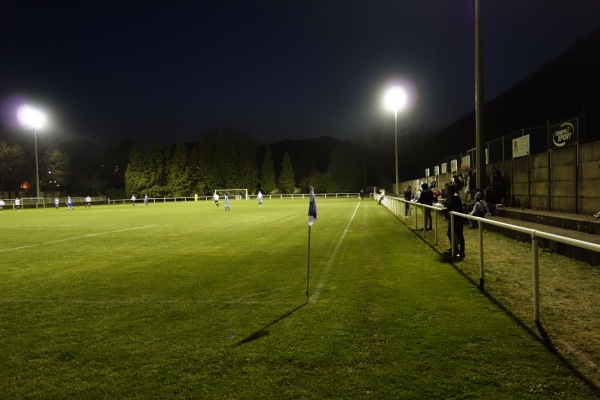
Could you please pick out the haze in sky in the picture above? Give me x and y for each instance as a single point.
(167, 72)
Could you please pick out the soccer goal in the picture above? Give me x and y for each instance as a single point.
(32, 202)
(238, 194)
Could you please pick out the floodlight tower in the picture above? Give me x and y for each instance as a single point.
(32, 118)
(395, 100)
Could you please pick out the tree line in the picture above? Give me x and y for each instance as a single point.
(216, 161)
(16, 168)
(220, 159)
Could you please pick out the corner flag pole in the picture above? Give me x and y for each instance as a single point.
(312, 217)
(308, 265)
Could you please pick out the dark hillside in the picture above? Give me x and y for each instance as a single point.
(565, 87)
(308, 155)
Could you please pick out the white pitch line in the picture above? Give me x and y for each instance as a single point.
(315, 296)
(75, 238)
(138, 301)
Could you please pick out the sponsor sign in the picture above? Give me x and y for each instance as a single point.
(520, 146)
(564, 134)
(465, 162)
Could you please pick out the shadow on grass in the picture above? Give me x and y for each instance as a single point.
(541, 335)
(262, 332)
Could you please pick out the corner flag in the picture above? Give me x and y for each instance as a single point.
(312, 208)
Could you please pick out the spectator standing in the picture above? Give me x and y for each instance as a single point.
(459, 183)
(381, 196)
(426, 198)
(407, 198)
(454, 203)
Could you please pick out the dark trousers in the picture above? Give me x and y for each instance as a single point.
(459, 238)
(428, 221)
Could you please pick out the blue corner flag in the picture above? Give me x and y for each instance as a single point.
(312, 208)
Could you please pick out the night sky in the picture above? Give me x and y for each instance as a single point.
(166, 72)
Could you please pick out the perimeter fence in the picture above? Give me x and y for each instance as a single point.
(250, 197)
(584, 128)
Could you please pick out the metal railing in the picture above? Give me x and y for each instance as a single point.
(396, 205)
(252, 196)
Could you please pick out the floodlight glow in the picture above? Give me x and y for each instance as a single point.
(395, 98)
(31, 117)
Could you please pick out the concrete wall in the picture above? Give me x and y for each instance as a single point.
(588, 193)
(564, 180)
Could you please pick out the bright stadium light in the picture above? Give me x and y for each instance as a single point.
(395, 100)
(32, 118)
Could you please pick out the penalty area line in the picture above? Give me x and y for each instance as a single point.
(75, 238)
(314, 297)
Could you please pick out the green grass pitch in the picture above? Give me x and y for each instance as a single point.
(186, 300)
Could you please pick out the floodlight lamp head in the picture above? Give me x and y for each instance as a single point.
(395, 98)
(30, 117)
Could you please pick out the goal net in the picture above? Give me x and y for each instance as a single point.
(237, 194)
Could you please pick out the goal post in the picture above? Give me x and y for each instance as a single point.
(237, 194)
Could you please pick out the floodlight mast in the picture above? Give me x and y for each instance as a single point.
(395, 100)
(35, 119)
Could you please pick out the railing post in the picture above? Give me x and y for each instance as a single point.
(536, 279)
(481, 269)
(452, 233)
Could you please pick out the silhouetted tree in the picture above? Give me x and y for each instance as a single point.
(55, 170)
(287, 182)
(199, 185)
(208, 162)
(178, 172)
(154, 172)
(145, 173)
(247, 167)
(135, 181)
(267, 172)
(12, 159)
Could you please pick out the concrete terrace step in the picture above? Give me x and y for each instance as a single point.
(575, 226)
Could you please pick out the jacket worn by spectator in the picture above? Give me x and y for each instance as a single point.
(426, 196)
(454, 203)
